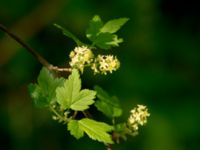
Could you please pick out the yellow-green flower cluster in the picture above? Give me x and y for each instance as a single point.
(80, 57)
(105, 63)
(138, 117)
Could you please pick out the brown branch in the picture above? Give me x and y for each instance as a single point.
(33, 52)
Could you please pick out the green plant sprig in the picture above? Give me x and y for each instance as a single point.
(65, 97)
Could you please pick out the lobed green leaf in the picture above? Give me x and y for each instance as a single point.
(83, 100)
(115, 41)
(66, 95)
(36, 93)
(102, 35)
(107, 40)
(114, 25)
(43, 93)
(103, 40)
(71, 95)
(96, 130)
(75, 130)
(106, 104)
(94, 28)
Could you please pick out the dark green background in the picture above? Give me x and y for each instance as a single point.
(160, 61)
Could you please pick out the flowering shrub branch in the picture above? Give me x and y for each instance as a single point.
(66, 98)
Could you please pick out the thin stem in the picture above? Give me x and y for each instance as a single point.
(109, 147)
(60, 118)
(75, 114)
(33, 52)
(87, 114)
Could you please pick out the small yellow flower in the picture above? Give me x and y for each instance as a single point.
(105, 63)
(138, 117)
(80, 57)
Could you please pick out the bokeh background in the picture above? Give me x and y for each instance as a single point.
(160, 67)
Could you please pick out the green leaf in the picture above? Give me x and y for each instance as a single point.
(106, 104)
(37, 95)
(71, 95)
(66, 95)
(96, 130)
(115, 41)
(114, 25)
(84, 99)
(43, 93)
(102, 35)
(75, 130)
(94, 28)
(69, 34)
(107, 40)
(103, 40)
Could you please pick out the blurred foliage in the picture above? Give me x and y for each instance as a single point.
(160, 61)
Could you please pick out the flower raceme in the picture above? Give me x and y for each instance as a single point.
(82, 56)
(138, 117)
(105, 63)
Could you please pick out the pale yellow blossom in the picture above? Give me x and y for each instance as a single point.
(105, 63)
(138, 117)
(80, 57)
